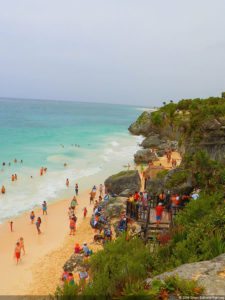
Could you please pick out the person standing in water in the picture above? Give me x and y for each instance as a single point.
(76, 189)
(32, 217)
(44, 208)
(3, 190)
(67, 182)
(17, 252)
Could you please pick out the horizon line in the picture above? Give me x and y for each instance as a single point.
(62, 100)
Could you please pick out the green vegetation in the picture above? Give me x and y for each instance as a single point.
(175, 286)
(161, 174)
(189, 116)
(123, 173)
(197, 235)
(177, 178)
(143, 118)
(67, 291)
(122, 265)
(157, 118)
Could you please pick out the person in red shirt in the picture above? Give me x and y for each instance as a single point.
(85, 212)
(136, 196)
(158, 213)
(77, 248)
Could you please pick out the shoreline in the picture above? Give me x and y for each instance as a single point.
(55, 232)
(55, 236)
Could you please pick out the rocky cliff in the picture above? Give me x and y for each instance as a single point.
(123, 183)
(194, 124)
(210, 274)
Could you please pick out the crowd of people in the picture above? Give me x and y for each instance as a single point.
(97, 217)
(164, 201)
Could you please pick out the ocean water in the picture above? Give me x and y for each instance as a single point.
(47, 133)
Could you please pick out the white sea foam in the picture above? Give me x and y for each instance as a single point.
(27, 192)
(114, 143)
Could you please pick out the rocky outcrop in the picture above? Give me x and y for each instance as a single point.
(124, 183)
(210, 274)
(143, 125)
(144, 156)
(152, 141)
(114, 207)
(176, 181)
(208, 136)
(75, 261)
(212, 139)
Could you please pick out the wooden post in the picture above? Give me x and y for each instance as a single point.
(147, 222)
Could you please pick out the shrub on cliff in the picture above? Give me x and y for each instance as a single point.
(121, 265)
(198, 234)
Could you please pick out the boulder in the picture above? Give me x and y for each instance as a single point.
(144, 156)
(143, 125)
(210, 274)
(152, 141)
(125, 181)
(73, 262)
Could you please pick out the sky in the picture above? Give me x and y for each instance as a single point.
(139, 52)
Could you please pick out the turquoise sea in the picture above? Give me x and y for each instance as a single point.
(47, 133)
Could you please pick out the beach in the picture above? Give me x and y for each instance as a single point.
(41, 266)
(40, 249)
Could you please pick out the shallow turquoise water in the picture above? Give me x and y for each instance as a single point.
(32, 130)
(44, 133)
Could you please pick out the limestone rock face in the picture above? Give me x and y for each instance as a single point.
(152, 141)
(124, 183)
(210, 274)
(209, 136)
(143, 125)
(144, 156)
(73, 262)
(212, 139)
(157, 185)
